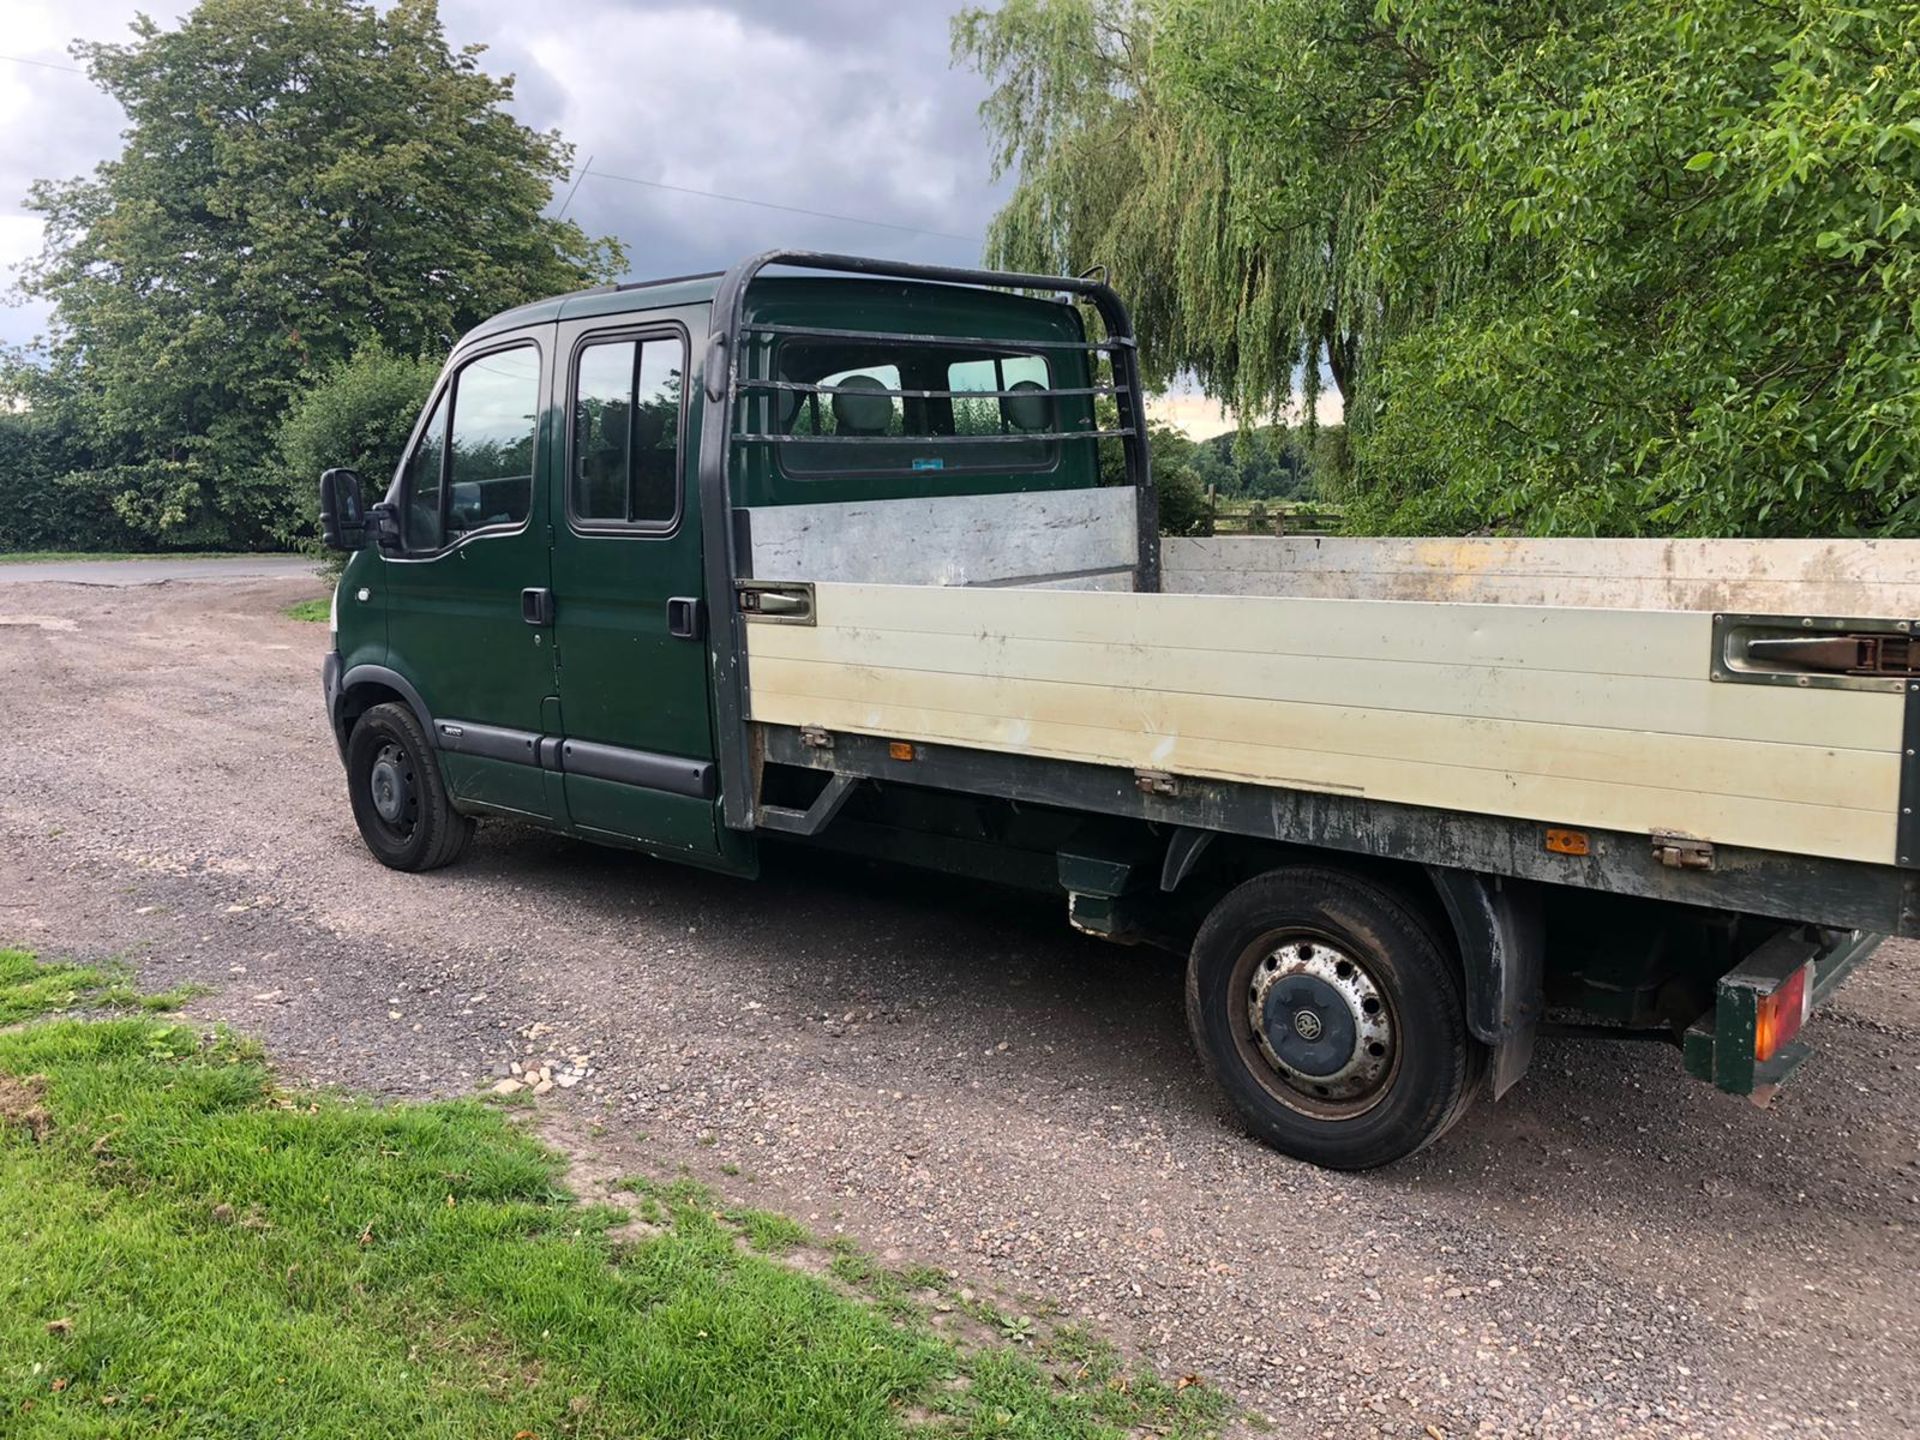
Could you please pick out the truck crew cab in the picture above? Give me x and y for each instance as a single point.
(829, 556)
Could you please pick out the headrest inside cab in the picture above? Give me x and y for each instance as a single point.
(861, 414)
(1031, 409)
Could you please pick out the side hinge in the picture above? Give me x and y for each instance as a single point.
(1682, 852)
(1156, 782)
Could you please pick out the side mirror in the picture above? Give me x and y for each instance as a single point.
(343, 511)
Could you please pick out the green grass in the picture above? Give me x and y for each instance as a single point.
(39, 557)
(28, 988)
(187, 1249)
(308, 609)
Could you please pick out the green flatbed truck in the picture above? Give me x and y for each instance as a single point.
(818, 550)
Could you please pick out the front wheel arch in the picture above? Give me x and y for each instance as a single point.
(365, 686)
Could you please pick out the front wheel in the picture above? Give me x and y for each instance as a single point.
(1332, 1017)
(399, 799)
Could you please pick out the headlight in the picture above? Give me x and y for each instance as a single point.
(333, 614)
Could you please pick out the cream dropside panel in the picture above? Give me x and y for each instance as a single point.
(1604, 718)
(1805, 577)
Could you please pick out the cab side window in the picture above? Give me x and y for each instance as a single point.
(496, 408)
(478, 471)
(625, 467)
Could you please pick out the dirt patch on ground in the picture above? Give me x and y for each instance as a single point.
(20, 1106)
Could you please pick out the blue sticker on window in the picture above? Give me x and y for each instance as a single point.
(929, 464)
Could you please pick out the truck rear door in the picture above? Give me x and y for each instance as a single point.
(637, 755)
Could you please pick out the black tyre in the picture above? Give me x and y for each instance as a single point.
(399, 798)
(1331, 1015)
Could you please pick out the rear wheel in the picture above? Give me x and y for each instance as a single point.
(1331, 1016)
(399, 799)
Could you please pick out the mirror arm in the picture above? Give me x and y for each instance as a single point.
(383, 524)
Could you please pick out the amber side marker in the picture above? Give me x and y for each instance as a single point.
(900, 749)
(1568, 842)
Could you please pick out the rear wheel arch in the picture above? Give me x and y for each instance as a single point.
(1330, 1008)
(1493, 924)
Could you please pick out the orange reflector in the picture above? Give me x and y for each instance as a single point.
(1567, 842)
(1780, 1015)
(900, 749)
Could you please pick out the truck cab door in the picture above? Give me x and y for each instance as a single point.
(472, 500)
(637, 747)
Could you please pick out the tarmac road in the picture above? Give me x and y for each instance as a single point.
(950, 1075)
(156, 570)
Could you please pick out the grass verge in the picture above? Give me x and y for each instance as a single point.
(308, 609)
(188, 1249)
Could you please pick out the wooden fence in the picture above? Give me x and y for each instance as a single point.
(1271, 517)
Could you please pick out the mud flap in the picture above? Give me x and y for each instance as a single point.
(1497, 924)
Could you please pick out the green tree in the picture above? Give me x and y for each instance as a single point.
(1698, 276)
(39, 508)
(298, 177)
(1219, 157)
(359, 416)
(1613, 266)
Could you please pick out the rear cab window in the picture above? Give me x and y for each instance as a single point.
(624, 446)
(873, 417)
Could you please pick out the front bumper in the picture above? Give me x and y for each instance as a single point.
(1719, 1046)
(330, 672)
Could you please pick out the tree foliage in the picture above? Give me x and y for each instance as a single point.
(359, 416)
(40, 508)
(1266, 462)
(1235, 270)
(298, 177)
(1622, 267)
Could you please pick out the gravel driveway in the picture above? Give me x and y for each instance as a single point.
(949, 1075)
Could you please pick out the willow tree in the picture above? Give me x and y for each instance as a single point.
(1144, 137)
(1595, 266)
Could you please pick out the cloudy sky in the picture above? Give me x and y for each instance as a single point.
(846, 107)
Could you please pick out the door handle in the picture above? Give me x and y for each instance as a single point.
(1896, 655)
(683, 618)
(782, 602)
(536, 606)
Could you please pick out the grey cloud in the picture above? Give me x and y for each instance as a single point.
(842, 106)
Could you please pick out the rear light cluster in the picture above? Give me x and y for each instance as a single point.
(1780, 1014)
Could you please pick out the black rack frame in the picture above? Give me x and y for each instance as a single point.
(722, 384)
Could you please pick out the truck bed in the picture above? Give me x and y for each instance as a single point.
(1602, 714)
(1568, 716)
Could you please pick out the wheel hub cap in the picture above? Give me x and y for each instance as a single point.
(1320, 1021)
(391, 791)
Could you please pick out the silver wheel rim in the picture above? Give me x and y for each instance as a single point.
(1322, 1024)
